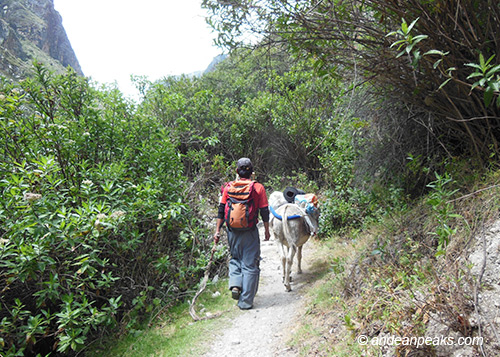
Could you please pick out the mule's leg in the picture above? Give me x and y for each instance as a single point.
(283, 259)
(289, 262)
(299, 260)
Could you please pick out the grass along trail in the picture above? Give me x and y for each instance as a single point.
(264, 330)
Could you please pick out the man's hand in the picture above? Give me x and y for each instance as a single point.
(267, 235)
(218, 226)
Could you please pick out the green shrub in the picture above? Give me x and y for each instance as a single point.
(95, 231)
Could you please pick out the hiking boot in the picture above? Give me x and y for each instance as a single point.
(235, 293)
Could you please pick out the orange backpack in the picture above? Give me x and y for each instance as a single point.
(241, 211)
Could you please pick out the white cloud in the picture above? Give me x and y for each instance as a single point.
(114, 39)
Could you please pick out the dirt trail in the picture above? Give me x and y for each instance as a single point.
(262, 330)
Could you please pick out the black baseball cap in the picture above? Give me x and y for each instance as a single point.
(245, 164)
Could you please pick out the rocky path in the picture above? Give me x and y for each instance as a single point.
(262, 331)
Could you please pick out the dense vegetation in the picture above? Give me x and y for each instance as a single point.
(94, 225)
(435, 58)
(107, 204)
(104, 202)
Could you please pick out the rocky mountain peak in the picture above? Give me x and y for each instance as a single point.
(32, 30)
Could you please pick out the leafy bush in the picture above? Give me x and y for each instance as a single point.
(95, 231)
(442, 211)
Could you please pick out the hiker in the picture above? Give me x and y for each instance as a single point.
(241, 202)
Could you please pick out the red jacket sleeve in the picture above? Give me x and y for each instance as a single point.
(261, 196)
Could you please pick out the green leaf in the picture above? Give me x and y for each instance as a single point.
(493, 70)
(495, 85)
(404, 27)
(409, 48)
(437, 63)
(481, 60)
(444, 83)
(401, 53)
(475, 74)
(440, 252)
(477, 84)
(413, 24)
(474, 65)
(488, 96)
(489, 59)
(434, 52)
(419, 38)
(400, 42)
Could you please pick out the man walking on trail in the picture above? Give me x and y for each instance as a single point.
(240, 204)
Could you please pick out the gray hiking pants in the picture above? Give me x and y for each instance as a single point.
(244, 270)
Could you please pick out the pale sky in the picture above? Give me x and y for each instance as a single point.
(114, 39)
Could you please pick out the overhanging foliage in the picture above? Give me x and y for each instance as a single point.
(352, 35)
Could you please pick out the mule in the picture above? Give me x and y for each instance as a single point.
(292, 227)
